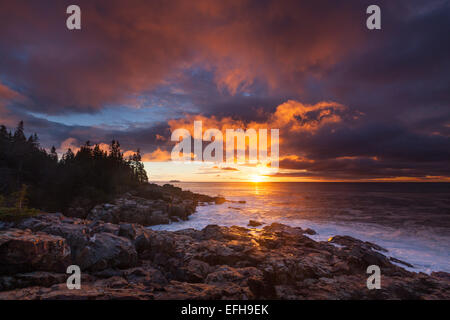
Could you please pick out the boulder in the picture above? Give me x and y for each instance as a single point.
(105, 250)
(127, 231)
(23, 251)
(253, 223)
(129, 261)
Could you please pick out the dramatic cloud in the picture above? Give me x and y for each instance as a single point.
(350, 102)
(157, 155)
(124, 50)
(8, 97)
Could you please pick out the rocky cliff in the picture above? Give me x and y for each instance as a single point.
(129, 261)
(149, 205)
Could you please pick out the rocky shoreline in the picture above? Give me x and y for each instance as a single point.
(149, 205)
(129, 261)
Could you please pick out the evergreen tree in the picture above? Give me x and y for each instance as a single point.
(19, 134)
(68, 156)
(53, 154)
(91, 174)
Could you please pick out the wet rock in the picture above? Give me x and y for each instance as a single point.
(401, 262)
(310, 231)
(219, 200)
(128, 261)
(253, 223)
(150, 205)
(348, 241)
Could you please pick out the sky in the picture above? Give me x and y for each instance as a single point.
(351, 104)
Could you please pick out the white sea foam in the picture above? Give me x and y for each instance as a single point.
(418, 245)
(427, 253)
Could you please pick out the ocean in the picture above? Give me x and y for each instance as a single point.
(411, 220)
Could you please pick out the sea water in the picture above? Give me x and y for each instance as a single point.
(411, 220)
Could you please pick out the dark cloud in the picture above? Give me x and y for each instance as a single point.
(125, 49)
(240, 60)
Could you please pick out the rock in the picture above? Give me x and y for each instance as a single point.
(39, 278)
(348, 241)
(98, 226)
(108, 273)
(192, 291)
(93, 246)
(6, 225)
(253, 223)
(219, 200)
(310, 231)
(178, 211)
(401, 262)
(158, 217)
(8, 283)
(132, 210)
(75, 233)
(146, 275)
(77, 212)
(149, 205)
(99, 290)
(142, 242)
(105, 250)
(229, 274)
(24, 251)
(105, 214)
(127, 231)
(197, 271)
(128, 261)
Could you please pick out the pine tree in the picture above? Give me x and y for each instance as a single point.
(68, 156)
(29, 174)
(53, 154)
(19, 134)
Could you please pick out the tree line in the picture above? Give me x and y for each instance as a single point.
(31, 175)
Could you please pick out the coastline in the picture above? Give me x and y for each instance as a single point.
(130, 261)
(409, 220)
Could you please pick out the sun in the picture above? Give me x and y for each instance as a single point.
(257, 178)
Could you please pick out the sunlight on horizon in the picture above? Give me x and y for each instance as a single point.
(209, 172)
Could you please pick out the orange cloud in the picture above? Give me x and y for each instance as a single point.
(74, 145)
(290, 116)
(296, 116)
(69, 143)
(8, 96)
(160, 138)
(156, 156)
(240, 42)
